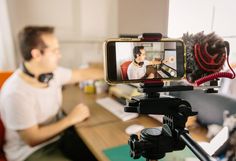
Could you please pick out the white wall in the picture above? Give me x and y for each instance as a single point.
(189, 16)
(139, 16)
(7, 52)
(83, 25)
(209, 16)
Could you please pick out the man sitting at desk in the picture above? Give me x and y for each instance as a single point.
(137, 69)
(31, 99)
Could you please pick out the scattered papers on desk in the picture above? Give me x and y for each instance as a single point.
(115, 108)
(157, 117)
(216, 142)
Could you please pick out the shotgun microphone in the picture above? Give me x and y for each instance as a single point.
(205, 57)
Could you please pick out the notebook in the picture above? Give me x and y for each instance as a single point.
(121, 153)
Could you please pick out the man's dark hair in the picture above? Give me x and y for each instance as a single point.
(30, 38)
(136, 50)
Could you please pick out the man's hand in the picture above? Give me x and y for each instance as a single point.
(155, 61)
(150, 76)
(78, 114)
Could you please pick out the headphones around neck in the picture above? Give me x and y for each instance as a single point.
(43, 78)
(140, 63)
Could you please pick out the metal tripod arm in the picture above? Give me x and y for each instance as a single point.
(195, 147)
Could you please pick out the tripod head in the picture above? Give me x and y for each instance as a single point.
(155, 142)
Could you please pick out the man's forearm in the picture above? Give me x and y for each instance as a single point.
(86, 74)
(39, 134)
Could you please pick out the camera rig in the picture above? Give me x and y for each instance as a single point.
(155, 142)
(172, 136)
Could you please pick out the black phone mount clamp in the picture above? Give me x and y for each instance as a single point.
(212, 83)
(155, 142)
(150, 36)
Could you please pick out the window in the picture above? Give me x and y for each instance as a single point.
(204, 15)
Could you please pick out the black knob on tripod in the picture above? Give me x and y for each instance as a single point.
(152, 137)
(148, 145)
(135, 147)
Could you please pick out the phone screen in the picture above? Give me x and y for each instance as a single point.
(138, 61)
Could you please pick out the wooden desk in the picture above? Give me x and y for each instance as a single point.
(72, 95)
(103, 130)
(100, 137)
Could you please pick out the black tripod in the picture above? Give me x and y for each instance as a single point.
(155, 142)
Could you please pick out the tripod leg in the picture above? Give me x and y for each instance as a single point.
(195, 148)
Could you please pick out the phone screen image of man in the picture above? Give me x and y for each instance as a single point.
(145, 60)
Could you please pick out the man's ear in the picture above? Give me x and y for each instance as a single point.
(36, 54)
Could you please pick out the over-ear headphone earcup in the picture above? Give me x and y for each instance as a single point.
(45, 78)
(140, 63)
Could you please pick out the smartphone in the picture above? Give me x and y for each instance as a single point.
(132, 60)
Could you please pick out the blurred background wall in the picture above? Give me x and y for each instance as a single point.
(83, 25)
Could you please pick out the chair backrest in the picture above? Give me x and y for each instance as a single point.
(2, 140)
(124, 67)
(3, 76)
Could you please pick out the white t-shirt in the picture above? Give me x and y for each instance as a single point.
(136, 72)
(23, 106)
